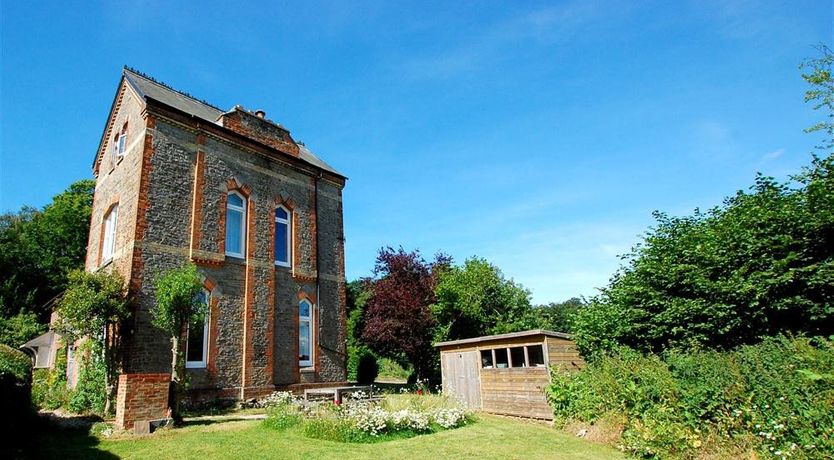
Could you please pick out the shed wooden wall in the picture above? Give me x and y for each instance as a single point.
(517, 391)
(563, 353)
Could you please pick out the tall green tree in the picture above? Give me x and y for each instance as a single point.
(761, 263)
(93, 306)
(38, 248)
(178, 304)
(476, 299)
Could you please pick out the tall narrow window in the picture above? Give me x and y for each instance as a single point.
(108, 246)
(305, 334)
(196, 344)
(283, 237)
(121, 144)
(235, 224)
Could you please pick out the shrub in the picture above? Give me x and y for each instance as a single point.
(282, 417)
(776, 395)
(367, 370)
(20, 328)
(90, 393)
(15, 402)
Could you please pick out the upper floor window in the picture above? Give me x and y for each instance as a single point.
(108, 246)
(305, 334)
(119, 144)
(283, 237)
(196, 343)
(235, 224)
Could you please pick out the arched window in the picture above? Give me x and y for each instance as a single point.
(235, 224)
(283, 236)
(305, 333)
(108, 246)
(196, 343)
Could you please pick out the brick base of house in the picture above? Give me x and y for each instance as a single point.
(140, 398)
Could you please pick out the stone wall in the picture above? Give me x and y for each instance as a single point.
(253, 333)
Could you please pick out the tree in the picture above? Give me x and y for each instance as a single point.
(178, 304)
(38, 248)
(762, 263)
(361, 361)
(398, 322)
(93, 307)
(555, 316)
(476, 299)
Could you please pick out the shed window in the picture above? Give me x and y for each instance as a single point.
(501, 360)
(235, 224)
(535, 355)
(517, 356)
(283, 237)
(486, 359)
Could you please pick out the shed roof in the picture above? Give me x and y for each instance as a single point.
(147, 87)
(511, 335)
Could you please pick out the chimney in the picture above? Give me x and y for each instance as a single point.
(260, 114)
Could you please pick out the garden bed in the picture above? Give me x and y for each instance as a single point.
(360, 418)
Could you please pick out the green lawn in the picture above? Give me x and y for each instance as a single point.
(489, 437)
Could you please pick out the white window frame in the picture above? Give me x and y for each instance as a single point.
(202, 363)
(309, 321)
(108, 246)
(242, 223)
(288, 223)
(121, 144)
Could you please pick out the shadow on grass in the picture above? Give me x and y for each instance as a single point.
(58, 437)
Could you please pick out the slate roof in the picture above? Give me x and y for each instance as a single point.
(147, 87)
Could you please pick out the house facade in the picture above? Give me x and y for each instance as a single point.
(180, 180)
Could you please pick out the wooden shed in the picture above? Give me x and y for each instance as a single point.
(506, 373)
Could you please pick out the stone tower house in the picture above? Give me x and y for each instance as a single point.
(179, 180)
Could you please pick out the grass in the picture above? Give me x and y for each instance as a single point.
(490, 437)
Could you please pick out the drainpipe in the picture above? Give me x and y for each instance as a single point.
(318, 275)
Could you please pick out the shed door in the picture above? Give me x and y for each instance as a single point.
(461, 377)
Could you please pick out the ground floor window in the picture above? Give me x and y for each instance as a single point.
(196, 344)
(305, 334)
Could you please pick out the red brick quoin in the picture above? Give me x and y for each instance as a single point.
(141, 397)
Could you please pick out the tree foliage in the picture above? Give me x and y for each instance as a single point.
(178, 304)
(476, 299)
(398, 321)
(760, 264)
(37, 250)
(92, 308)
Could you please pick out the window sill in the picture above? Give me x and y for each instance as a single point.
(106, 263)
(307, 370)
(195, 366)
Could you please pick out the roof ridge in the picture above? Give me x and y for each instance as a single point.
(169, 87)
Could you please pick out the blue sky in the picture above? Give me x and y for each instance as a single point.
(539, 135)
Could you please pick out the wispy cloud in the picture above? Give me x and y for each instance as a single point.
(774, 154)
(545, 25)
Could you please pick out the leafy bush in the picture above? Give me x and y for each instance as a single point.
(90, 394)
(15, 392)
(367, 370)
(20, 328)
(14, 364)
(283, 416)
(776, 396)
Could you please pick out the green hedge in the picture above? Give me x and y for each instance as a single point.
(776, 397)
(16, 411)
